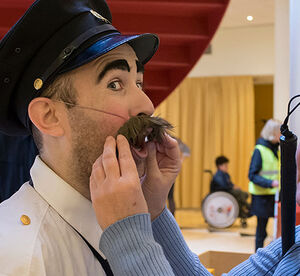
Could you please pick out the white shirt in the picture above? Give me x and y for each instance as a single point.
(49, 245)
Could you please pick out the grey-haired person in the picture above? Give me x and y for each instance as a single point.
(264, 178)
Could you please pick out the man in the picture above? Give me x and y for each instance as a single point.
(72, 80)
(221, 182)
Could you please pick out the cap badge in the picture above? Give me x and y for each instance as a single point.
(99, 16)
(38, 83)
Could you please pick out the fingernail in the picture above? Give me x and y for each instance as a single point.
(120, 136)
(109, 138)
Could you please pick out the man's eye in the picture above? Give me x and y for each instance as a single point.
(115, 85)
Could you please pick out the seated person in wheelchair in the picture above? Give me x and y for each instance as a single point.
(221, 182)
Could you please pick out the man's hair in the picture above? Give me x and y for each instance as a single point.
(270, 129)
(61, 89)
(220, 160)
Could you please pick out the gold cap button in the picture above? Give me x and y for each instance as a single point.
(38, 83)
(25, 220)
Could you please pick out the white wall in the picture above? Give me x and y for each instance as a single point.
(282, 59)
(294, 71)
(239, 51)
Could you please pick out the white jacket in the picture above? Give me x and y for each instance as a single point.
(49, 245)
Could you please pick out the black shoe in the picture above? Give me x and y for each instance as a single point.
(249, 215)
(244, 223)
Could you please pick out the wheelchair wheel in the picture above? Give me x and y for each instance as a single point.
(220, 209)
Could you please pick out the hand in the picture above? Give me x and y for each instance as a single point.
(115, 188)
(163, 165)
(275, 183)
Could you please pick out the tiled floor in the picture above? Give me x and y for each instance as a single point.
(201, 238)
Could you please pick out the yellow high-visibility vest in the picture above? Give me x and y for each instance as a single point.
(270, 170)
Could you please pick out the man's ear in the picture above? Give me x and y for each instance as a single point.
(45, 115)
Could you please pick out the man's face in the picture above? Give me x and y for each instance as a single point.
(112, 83)
(223, 167)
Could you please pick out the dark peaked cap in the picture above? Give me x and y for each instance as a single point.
(55, 36)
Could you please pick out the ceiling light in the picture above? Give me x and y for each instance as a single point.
(250, 18)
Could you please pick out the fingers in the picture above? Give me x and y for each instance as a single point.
(151, 158)
(169, 142)
(169, 147)
(109, 159)
(108, 166)
(127, 164)
(97, 177)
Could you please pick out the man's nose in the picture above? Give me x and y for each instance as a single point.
(141, 104)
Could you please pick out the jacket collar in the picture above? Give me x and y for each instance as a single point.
(73, 207)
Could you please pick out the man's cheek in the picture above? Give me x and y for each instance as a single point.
(116, 119)
(118, 108)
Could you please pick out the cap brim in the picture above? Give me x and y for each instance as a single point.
(144, 45)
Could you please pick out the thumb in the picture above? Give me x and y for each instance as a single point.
(151, 160)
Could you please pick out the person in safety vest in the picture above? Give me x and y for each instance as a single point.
(264, 178)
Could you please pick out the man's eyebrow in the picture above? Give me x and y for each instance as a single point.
(139, 67)
(120, 64)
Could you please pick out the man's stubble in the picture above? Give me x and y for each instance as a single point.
(87, 142)
(88, 138)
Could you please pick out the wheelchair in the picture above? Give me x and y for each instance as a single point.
(221, 209)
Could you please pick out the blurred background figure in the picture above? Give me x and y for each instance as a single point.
(184, 152)
(221, 181)
(264, 178)
(17, 154)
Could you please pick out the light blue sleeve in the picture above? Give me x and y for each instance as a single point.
(264, 262)
(290, 264)
(167, 233)
(131, 250)
(268, 261)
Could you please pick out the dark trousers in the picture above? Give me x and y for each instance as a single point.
(241, 198)
(261, 232)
